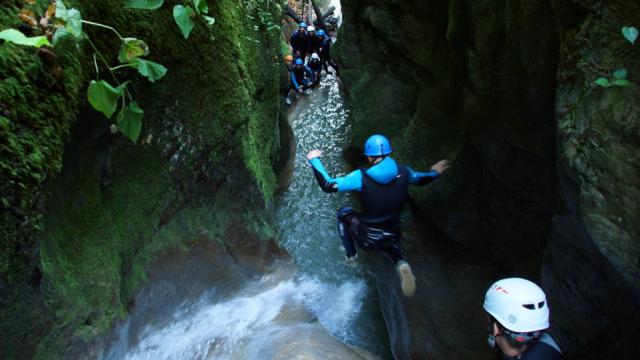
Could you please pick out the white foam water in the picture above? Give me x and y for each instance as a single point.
(204, 329)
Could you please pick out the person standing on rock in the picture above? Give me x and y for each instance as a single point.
(300, 42)
(518, 315)
(316, 66)
(325, 52)
(384, 188)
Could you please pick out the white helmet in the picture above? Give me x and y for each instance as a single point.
(315, 56)
(517, 304)
(311, 28)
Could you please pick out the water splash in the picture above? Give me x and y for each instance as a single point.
(208, 329)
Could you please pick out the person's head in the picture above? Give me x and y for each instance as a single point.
(320, 33)
(302, 27)
(315, 57)
(311, 30)
(517, 312)
(376, 148)
(299, 63)
(288, 59)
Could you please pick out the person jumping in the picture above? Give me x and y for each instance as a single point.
(384, 187)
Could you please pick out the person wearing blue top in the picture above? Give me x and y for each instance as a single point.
(384, 188)
(301, 78)
(300, 42)
(325, 52)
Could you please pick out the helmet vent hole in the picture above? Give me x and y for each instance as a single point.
(529, 306)
(541, 305)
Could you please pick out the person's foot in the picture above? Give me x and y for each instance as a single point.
(287, 101)
(407, 280)
(351, 260)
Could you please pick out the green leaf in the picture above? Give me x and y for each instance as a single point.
(149, 69)
(621, 82)
(71, 18)
(630, 33)
(210, 20)
(63, 41)
(59, 35)
(61, 10)
(132, 48)
(104, 97)
(143, 4)
(620, 74)
(74, 22)
(602, 81)
(130, 121)
(184, 19)
(201, 6)
(17, 37)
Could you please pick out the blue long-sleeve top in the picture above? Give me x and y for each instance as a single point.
(296, 82)
(383, 172)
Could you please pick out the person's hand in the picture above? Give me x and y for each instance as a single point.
(313, 154)
(441, 166)
(299, 90)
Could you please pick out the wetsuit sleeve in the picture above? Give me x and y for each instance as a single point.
(294, 81)
(350, 182)
(419, 178)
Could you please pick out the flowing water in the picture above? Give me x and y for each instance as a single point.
(250, 315)
(307, 216)
(180, 315)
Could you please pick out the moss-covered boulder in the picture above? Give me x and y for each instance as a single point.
(88, 209)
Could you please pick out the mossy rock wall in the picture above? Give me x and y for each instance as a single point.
(97, 207)
(540, 182)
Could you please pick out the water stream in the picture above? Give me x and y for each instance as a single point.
(251, 314)
(307, 216)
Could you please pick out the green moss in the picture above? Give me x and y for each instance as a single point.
(92, 234)
(36, 111)
(219, 102)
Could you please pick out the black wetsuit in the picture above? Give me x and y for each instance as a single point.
(300, 44)
(384, 190)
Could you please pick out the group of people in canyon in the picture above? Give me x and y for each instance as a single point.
(517, 310)
(311, 52)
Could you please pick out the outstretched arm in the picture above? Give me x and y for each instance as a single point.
(419, 178)
(350, 182)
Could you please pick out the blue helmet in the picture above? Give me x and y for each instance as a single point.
(377, 145)
(303, 25)
(320, 33)
(299, 62)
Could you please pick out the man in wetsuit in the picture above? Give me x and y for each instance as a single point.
(315, 40)
(288, 61)
(518, 315)
(315, 65)
(384, 188)
(301, 78)
(325, 52)
(300, 42)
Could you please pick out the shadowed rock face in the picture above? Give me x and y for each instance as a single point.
(545, 174)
